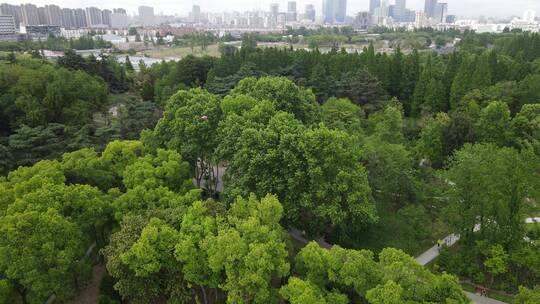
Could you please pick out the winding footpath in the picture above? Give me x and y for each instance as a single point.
(433, 252)
(423, 259)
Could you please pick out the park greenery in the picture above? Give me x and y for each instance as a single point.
(187, 179)
(87, 42)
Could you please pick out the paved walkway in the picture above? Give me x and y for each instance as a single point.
(482, 300)
(533, 220)
(433, 252)
(299, 237)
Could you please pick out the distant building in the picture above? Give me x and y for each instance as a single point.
(119, 18)
(274, 13)
(382, 12)
(410, 16)
(80, 18)
(94, 17)
(363, 20)
(334, 11)
(341, 10)
(106, 17)
(400, 11)
(73, 33)
(68, 19)
(420, 20)
(310, 13)
(146, 15)
(8, 30)
(529, 16)
(441, 13)
(430, 8)
(274, 9)
(451, 19)
(42, 16)
(196, 13)
(7, 25)
(53, 14)
(35, 32)
(292, 15)
(29, 14)
(114, 39)
(13, 10)
(373, 5)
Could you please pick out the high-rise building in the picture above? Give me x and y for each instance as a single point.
(146, 15)
(80, 18)
(196, 13)
(400, 10)
(291, 6)
(334, 11)
(12, 10)
(373, 5)
(106, 17)
(274, 13)
(94, 17)
(68, 19)
(274, 9)
(7, 25)
(420, 20)
(42, 15)
(29, 14)
(383, 10)
(291, 11)
(119, 18)
(430, 8)
(328, 11)
(53, 14)
(341, 10)
(441, 12)
(529, 16)
(310, 13)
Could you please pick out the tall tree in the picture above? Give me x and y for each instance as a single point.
(199, 223)
(488, 186)
(284, 94)
(189, 126)
(462, 83)
(431, 144)
(410, 76)
(41, 253)
(363, 89)
(250, 251)
(494, 124)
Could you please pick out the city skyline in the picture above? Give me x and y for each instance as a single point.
(463, 8)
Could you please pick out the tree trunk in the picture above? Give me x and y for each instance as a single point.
(204, 295)
(198, 174)
(94, 231)
(22, 292)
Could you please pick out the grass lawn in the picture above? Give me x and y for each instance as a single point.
(388, 232)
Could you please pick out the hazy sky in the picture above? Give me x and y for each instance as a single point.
(459, 7)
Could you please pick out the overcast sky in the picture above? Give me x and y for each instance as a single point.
(465, 8)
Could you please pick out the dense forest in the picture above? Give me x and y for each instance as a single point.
(185, 178)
